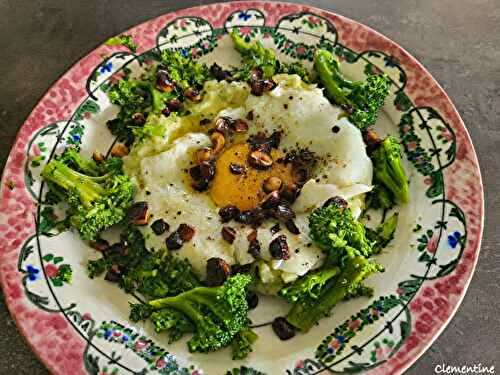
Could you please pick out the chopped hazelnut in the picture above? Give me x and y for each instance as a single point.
(119, 150)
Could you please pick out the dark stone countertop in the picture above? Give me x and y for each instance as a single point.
(457, 40)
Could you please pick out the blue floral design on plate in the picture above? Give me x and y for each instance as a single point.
(244, 16)
(33, 272)
(454, 238)
(106, 67)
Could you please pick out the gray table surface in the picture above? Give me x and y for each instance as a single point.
(457, 40)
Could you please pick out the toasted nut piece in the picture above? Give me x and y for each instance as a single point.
(337, 201)
(174, 241)
(99, 244)
(195, 173)
(218, 270)
(239, 126)
(236, 168)
(372, 140)
(222, 124)
(254, 248)
(290, 193)
(240, 268)
(271, 200)
(159, 227)
(260, 159)
(275, 229)
(207, 170)
(253, 217)
(119, 150)
(186, 232)
(252, 236)
(97, 156)
(113, 275)
(250, 115)
(257, 87)
(192, 94)
(138, 213)
(229, 213)
(256, 74)
(165, 111)
(219, 73)
(271, 184)
(163, 82)
(252, 300)
(348, 108)
(300, 176)
(204, 154)
(292, 227)
(200, 185)
(279, 248)
(269, 85)
(218, 141)
(138, 118)
(228, 234)
(174, 104)
(282, 212)
(120, 248)
(283, 329)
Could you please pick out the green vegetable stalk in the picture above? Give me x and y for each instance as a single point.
(347, 245)
(304, 314)
(389, 171)
(361, 100)
(310, 285)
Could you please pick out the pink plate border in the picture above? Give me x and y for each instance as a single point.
(53, 339)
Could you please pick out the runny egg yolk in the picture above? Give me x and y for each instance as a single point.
(244, 190)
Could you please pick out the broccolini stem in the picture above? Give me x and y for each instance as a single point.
(179, 304)
(323, 61)
(304, 316)
(195, 294)
(239, 43)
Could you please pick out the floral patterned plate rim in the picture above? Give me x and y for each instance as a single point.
(53, 303)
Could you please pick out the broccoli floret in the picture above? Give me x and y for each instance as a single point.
(256, 56)
(159, 275)
(172, 321)
(389, 171)
(360, 291)
(141, 97)
(242, 343)
(295, 68)
(95, 202)
(217, 313)
(344, 240)
(338, 234)
(383, 234)
(361, 100)
(140, 311)
(305, 313)
(309, 285)
(123, 40)
(152, 274)
(184, 71)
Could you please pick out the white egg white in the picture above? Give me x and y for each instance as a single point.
(305, 118)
